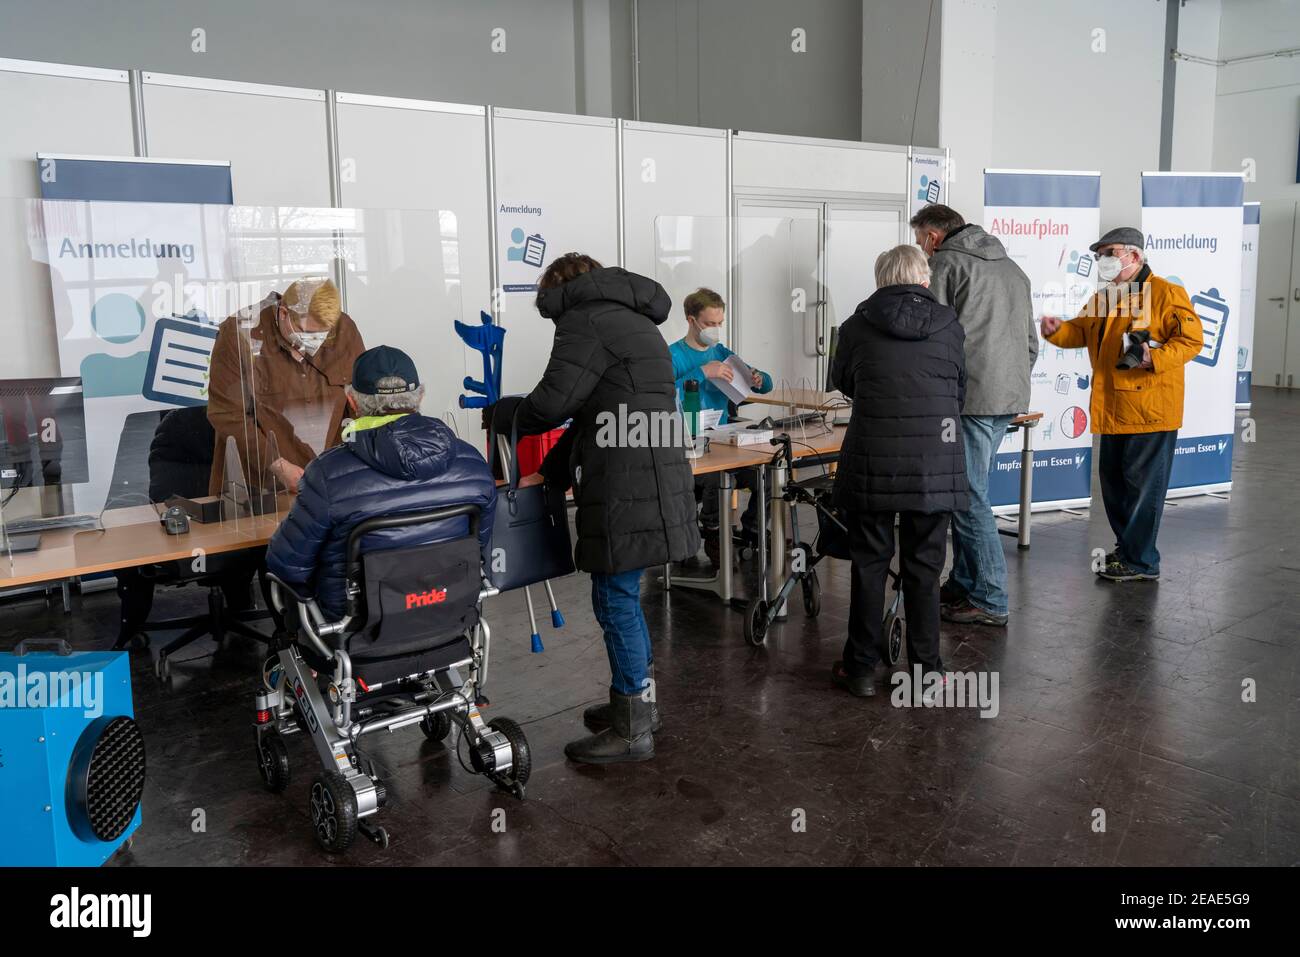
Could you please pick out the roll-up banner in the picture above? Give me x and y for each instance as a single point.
(137, 249)
(1249, 275)
(1193, 228)
(1046, 221)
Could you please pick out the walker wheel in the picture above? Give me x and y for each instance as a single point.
(756, 622)
(273, 762)
(436, 726)
(895, 630)
(812, 595)
(333, 811)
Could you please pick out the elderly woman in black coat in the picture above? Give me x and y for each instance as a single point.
(610, 372)
(900, 360)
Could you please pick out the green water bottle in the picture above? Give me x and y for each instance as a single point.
(691, 405)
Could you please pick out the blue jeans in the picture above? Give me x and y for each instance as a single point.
(979, 567)
(1133, 471)
(616, 600)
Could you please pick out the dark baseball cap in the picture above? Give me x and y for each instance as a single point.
(1120, 235)
(384, 362)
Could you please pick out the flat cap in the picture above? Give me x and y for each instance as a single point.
(1121, 235)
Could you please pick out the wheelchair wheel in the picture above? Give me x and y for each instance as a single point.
(521, 758)
(756, 622)
(333, 811)
(273, 762)
(894, 630)
(812, 595)
(436, 726)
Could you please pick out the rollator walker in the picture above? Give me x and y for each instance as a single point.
(832, 542)
(412, 648)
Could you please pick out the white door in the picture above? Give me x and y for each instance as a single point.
(776, 316)
(855, 236)
(1275, 365)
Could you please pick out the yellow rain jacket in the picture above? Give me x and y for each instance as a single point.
(1129, 401)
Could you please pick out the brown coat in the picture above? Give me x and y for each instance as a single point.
(264, 391)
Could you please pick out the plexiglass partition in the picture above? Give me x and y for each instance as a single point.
(197, 353)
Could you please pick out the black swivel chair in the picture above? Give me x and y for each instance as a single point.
(180, 461)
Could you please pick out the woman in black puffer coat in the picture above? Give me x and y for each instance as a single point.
(635, 495)
(900, 359)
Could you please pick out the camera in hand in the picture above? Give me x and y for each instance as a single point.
(1131, 357)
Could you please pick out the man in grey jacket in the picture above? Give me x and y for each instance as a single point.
(971, 272)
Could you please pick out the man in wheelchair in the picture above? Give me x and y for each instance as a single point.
(379, 571)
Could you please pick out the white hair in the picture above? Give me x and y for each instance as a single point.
(902, 266)
(387, 403)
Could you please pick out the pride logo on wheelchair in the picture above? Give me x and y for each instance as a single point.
(419, 599)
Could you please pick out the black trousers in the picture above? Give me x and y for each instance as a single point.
(922, 544)
(706, 493)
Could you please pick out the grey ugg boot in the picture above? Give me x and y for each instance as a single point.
(597, 716)
(628, 737)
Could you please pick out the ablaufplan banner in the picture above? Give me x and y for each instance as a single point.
(1249, 274)
(1046, 221)
(1193, 228)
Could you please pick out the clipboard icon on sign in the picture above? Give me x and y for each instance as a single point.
(177, 373)
(932, 191)
(534, 250)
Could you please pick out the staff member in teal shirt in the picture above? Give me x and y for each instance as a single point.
(700, 355)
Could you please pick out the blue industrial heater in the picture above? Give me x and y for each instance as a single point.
(72, 761)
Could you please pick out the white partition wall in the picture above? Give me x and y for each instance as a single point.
(275, 137)
(675, 210)
(415, 154)
(47, 108)
(556, 191)
(810, 217)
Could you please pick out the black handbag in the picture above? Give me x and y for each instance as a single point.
(530, 532)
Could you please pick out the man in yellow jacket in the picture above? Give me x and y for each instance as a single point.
(1139, 330)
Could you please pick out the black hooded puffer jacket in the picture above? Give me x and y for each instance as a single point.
(609, 369)
(900, 359)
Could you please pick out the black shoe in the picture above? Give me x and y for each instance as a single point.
(950, 593)
(859, 687)
(628, 737)
(712, 545)
(597, 717)
(1117, 571)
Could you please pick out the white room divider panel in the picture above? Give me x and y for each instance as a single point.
(762, 161)
(675, 210)
(556, 191)
(47, 108)
(416, 154)
(275, 137)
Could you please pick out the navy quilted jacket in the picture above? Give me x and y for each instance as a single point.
(411, 464)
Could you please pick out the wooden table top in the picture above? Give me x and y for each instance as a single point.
(130, 537)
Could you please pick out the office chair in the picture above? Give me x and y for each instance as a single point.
(180, 460)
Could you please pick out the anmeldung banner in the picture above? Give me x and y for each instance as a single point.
(1193, 228)
(137, 249)
(928, 173)
(1249, 275)
(1046, 220)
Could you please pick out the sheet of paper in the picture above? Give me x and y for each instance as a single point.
(739, 388)
(710, 418)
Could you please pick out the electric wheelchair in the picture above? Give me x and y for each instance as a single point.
(412, 648)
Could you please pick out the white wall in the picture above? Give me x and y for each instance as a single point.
(1022, 87)
(1257, 115)
(1194, 95)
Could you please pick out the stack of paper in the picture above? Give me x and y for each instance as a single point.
(738, 433)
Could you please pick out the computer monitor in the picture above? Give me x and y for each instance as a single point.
(42, 433)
